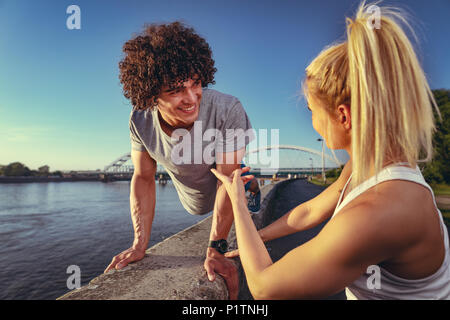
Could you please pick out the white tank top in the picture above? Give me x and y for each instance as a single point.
(435, 286)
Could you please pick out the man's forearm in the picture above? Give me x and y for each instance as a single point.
(222, 216)
(142, 205)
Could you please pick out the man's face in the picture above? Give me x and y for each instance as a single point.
(179, 106)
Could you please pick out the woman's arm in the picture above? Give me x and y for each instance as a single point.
(255, 258)
(337, 256)
(323, 266)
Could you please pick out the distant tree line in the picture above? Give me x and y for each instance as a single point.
(17, 169)
(334, 173)
(436, 171)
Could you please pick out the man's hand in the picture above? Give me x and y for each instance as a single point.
(217, 263)
(142, 206)
(123, 259)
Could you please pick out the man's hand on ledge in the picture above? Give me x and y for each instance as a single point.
(217, 263)
(123, 259)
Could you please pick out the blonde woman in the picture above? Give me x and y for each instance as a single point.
(369, 96)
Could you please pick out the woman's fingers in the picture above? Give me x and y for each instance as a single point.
(220, 175)
(246, 179)
(236, 174)
(232, 254)
(245, 169)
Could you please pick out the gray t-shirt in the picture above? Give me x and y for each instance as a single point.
(188, 156)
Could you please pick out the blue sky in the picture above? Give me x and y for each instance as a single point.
(61, 101)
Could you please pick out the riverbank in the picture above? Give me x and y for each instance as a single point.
(45, 179)
(171, 270)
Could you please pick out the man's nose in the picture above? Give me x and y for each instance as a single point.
(190, 96)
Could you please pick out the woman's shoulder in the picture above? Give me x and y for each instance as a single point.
(397, 210)
(396, 226)
(397, 198)
(403, 197)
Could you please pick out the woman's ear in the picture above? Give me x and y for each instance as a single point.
(344, 116)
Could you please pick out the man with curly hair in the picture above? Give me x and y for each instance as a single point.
(165, 74)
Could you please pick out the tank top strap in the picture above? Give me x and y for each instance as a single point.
(387, 173)
(342, 193)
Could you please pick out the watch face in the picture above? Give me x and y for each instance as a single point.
(223, 246)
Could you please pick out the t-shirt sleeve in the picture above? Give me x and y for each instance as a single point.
(237, 131)
(136, 143)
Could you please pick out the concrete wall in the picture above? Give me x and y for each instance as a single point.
(171, 270)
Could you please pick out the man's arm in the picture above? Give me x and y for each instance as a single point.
(142, 205)
(223, 211)
(222, 220)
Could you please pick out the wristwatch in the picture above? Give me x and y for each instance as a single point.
(220, 245)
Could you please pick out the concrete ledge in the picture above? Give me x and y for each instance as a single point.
(171, 270)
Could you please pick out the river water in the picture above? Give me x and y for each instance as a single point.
(46, 227)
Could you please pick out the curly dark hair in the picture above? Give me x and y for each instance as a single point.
(163, 55)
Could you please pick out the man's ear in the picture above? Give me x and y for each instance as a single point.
(344, 115)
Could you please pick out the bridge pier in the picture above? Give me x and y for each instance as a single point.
(104, 178)
(162, 179)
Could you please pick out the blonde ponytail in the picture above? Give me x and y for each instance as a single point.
(391, 102)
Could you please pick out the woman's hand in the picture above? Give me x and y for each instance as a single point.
(232, 254)
(234, 184)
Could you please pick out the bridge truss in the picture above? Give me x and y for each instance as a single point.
(123, 163)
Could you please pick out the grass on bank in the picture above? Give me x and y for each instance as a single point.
(446, 215)
(441, 189)
(319, 182)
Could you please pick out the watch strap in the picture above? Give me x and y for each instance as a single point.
(220, 245)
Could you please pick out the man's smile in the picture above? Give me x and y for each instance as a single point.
(188, 109)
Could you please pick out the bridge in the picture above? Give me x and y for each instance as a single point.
(264, 162)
